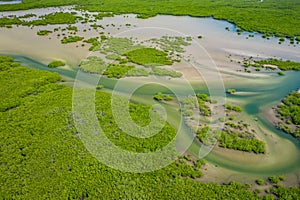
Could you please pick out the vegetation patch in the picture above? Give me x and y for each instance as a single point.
(53, 18)
(230, 91)
(138, 72)
(95, 43)
(233, 140)
(236, 135)
(233, 108)
(282, 65)
(9, 21)
(47, 150)
(268, 17)
(29, 15)
(56, 63)
(100, 16)
(117, 71)
(271, 65)
(148, 57)
(71, 39)
(43, 32)
(171, 44)
(288, 112)
(93, 64)
(162, 97)
(119, 46)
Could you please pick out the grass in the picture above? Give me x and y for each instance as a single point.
(148, 57)
(162, 97)
(56, 63)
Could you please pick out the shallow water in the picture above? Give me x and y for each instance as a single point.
(9, 2)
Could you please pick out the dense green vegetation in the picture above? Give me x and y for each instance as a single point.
(271, 64)
(269, 17)
(160, 97)
(148, 57)
(126, 50)
(234, 136)
(43, 32)
(95, 64)
(276, 179)
(117, 71)
(201, 104)
(233, 108)
(71, 39)
(5, 21)
(56, 63)
(29, 15)
(282, 65)
(286, 193)
(260, 181)
(103, 14)
(53, 18)
(289, 114)
(42, 156)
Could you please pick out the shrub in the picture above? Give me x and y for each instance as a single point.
(260, 182)
(56, 63)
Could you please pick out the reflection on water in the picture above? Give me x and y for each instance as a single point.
(10, 2)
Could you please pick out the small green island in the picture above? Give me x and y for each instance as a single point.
(56, 63)
(288, 114)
